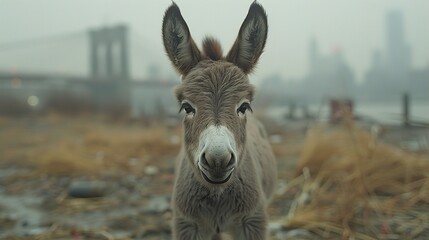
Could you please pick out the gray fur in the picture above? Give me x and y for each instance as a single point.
(202, 210)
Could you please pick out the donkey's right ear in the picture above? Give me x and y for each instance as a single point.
(251, 39)
(178, 43)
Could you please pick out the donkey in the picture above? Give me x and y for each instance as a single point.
(226, 171)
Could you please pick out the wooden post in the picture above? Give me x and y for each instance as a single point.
(406, 109)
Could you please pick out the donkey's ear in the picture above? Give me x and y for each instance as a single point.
(178, 43)
(250, 41)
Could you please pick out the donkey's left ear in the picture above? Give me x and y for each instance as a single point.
(178, 43)
(251, 39)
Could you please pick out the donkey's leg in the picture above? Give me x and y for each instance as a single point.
(251, 227)
(186, 229)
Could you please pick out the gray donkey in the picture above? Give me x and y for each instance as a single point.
(226, 171)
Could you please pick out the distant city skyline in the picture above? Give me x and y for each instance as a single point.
(355, 28)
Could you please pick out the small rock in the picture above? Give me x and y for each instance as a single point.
(133, 162)
(36, 231)
(154, 229)
(276, 139)
(151, 170)
(175, 140)
(87, 189)
(294, 234)
(282, 187)
(274, 226)
(26, 228)
(157, 204)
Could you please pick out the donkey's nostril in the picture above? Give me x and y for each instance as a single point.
(231, 162)
(204, 160)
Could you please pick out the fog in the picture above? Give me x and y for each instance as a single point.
(90, 126)
(361, 50)
(356, 28)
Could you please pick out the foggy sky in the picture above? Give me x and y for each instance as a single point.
(356, 27)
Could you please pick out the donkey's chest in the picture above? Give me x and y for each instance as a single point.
(217, 206)
(222, 206)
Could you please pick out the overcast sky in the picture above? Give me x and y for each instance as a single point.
(356, 27)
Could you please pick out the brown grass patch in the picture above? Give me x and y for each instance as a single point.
(345, 175)
(66, 159)
(85, 146)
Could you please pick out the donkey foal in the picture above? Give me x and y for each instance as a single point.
(226, 171)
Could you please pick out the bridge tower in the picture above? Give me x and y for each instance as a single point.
(109, 53)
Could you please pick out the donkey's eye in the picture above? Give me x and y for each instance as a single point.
(187, 108)
(244, 107)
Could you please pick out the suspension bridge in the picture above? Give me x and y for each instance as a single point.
(105, 66)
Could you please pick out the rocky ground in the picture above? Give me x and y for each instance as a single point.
(63, 179)
(95, 179)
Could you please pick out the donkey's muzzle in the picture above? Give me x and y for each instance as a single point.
(217, 156)
(217, 168)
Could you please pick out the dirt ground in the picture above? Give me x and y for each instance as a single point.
(94, 178)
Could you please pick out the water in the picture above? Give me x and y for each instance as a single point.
(381, 112)
(25, 210)
(391, 113)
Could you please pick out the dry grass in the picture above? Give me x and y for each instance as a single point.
(345, 176)
(347, 182)
(88, 146)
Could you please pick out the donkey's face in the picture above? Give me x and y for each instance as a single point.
(215, 97)
(215, 93)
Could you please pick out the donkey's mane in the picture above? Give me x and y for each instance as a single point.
(212, 49)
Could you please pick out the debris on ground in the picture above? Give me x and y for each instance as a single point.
(350, 185)
(70, 179)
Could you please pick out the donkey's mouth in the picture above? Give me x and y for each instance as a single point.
(217, 177)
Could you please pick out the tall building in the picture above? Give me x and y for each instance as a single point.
(398, 52)
(314, 54)
(391, 72)
(329, 75)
